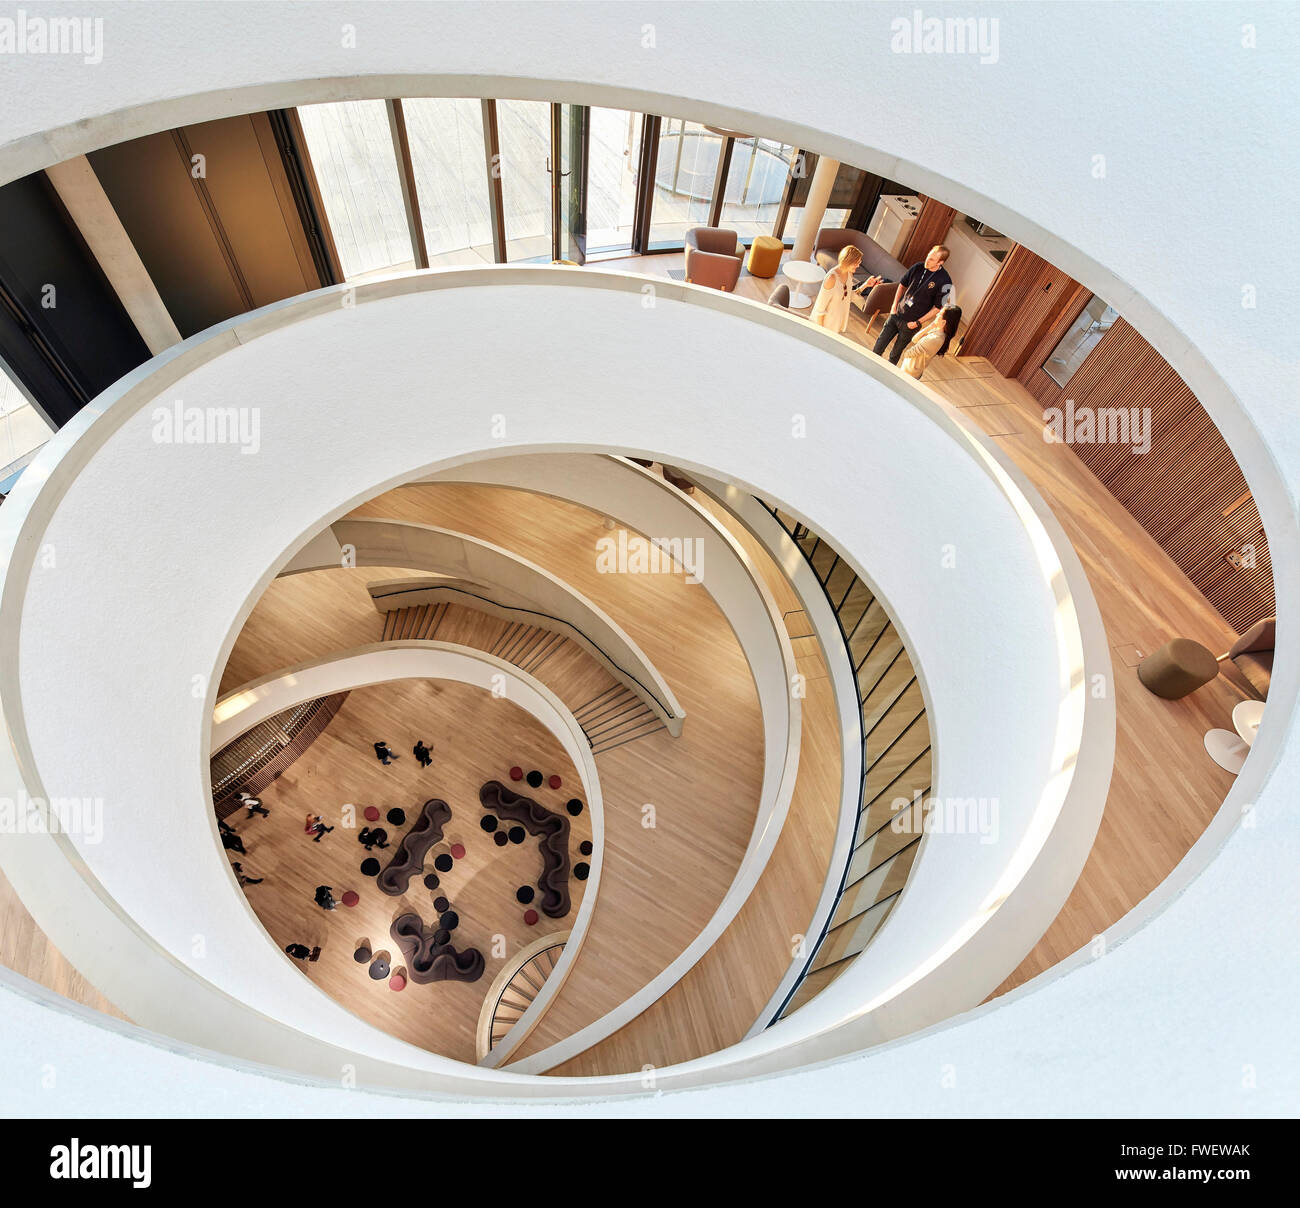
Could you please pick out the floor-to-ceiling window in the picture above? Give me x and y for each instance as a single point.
(351, 148)
(756, 181)
(612, 179)
(451, 183)
(524, 132)
(22, 428)
(685, 172)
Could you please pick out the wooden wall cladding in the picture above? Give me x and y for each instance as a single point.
(219, 243)
(931, 227)
(1026, 300)
(1187, 491)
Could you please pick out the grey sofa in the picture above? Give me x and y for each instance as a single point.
(712, 257)
(876, 262)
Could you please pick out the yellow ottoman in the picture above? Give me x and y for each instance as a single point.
(765, 256)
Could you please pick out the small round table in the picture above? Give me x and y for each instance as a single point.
(805, 278)
(1229, 750)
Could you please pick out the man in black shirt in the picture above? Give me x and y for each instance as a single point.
(924, 290)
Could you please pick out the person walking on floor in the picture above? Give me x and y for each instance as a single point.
(229, 839)
(316, 827)
(383, 754)
(300, 952)
(423, 754)
(253, 805)
(242, 879)
(931, 341)
(925, 288)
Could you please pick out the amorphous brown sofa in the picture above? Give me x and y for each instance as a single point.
(553, 829)
(431, 961)
(712, 258)
(415, 844)
(1252, 655)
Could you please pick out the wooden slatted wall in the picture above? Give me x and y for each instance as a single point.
(1187, 491)
(931, 227)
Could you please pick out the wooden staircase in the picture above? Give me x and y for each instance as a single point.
(617, 716)
(513, 992)
(420, 622)
(609, 712)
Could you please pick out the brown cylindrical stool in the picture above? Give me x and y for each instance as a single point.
(1178, 668)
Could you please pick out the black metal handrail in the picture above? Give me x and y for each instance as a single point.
(799, 533)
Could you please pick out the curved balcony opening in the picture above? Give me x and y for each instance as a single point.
(978, 388)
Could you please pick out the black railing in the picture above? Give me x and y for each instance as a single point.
(852, 603)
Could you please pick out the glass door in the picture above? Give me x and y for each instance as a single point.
(572, 132)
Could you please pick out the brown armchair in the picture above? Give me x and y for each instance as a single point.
(712, 258)
(1252, 655)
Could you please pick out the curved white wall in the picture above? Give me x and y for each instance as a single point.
(634, 496)
(1006, 594)
(1160, 63)
(517, 583)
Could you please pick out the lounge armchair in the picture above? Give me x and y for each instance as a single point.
(1252, 655)
(712, 258)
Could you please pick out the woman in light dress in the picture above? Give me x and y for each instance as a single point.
(831, 310)
(931, 341)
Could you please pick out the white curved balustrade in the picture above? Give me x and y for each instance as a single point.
(1008, 593)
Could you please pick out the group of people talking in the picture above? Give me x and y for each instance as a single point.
(921, 321)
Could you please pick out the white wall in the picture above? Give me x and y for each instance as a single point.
(1184, 106)
(304, 365)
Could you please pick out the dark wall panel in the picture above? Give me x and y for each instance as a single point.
(218, 243)
(67, 353)
(148, 181)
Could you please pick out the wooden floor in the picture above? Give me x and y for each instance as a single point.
(26, 949)
(1165, 788)
(719, 999)
(660, 885)
(475, 737)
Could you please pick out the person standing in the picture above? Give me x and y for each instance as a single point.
(924, 289)
(325, 897)
(423, 754)
(831, 310)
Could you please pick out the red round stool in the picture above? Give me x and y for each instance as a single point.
(397, 982)
(555, 782)
(530, 917)
(371, 813)
(458, 850)
(350, 898)
(516, 773)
